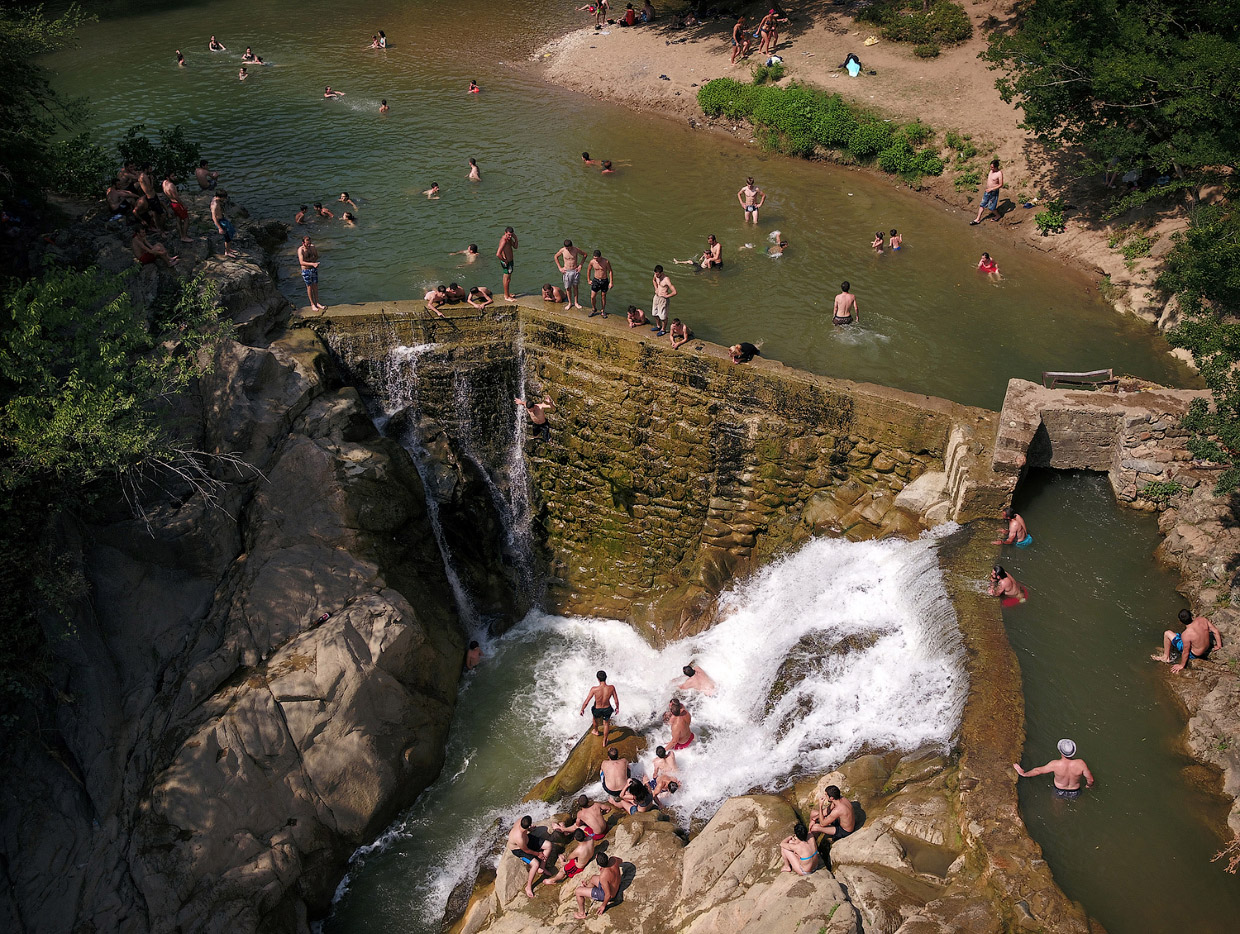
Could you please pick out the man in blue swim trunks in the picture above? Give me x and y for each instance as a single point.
(1016, 532)
(1199, 638)
(602, 887)
(308, 257)
(531, 851)
(990, 196)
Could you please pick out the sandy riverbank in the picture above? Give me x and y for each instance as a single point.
(955, 91)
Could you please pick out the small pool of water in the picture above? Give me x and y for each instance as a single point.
(1136, 849)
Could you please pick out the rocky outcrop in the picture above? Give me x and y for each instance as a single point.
(266, 668)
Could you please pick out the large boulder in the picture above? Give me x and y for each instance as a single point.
(584, 761)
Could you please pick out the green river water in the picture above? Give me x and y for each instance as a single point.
(1133, 850)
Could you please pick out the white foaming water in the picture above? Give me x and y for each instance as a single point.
(837, 646)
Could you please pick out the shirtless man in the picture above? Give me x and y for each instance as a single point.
(146, 252)
(345, 199)
(474, 175)
(456, 293)
(751, 198)
(206, 178)
(696, 679)
(663, 292)
(740, 39)
(713, 257)
(383, 106)
(119, 199)
(173, 194)
(470, 253)
(480, 297)
(435, 298)
(664, 772)
(226, 229)
(1015, 531)
(602, 887)
(537, 412)
(798, 852)
(323, 213)
(990, 197)
(591, 818)
(582, 853)
(146, 183)
(308, 258)
(833, 817)
(329, 94)
(604, 703)
(614, 774)
(845, 310)
(601, 279)
(1067, 769)
(505, 254)
(568, 261)
(1199, 637)
(1008, 589)
(553, 293)
(778, 246)
(529, 850)
(637, 317)
(473, 657)
(678, 333)
(678, 718)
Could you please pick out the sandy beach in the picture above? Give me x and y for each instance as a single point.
(657, 68)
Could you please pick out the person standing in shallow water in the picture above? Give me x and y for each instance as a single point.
(1067, 769)
(1014, 532)
(601, 699)
(1008, 589)
(678, 718)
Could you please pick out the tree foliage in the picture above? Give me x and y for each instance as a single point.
(1144, 82)
(1203, 271)
(33, 113)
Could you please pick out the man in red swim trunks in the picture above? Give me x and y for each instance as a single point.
(146, 253)
(1008, 589)
(583, 852)
(678, 718)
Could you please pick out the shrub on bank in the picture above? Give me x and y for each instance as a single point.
(796, 120)
(939, 22)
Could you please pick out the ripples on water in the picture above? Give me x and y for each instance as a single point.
(837, 646)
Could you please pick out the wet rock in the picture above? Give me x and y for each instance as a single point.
(584, 761)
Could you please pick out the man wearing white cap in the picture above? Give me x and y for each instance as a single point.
(1067, 769)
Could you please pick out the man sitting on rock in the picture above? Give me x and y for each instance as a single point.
(1199, 638)
(602, 887)
(613, 773)
(834, 817)
(799, 853)
(529, 850)
(588, 817)
(664, 773)
(583, 852)
(678, 718)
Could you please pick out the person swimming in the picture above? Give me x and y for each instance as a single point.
(988, 265)
(216, 46)
(878, 242)
(330, 94)
(895, 240)
(383, 106)
(1008, 589)
(180, 59)
(473, 87)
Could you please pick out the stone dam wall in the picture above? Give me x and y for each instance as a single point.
(668, 472)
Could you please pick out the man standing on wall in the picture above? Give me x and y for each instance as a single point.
(504, 253)
(568, 261)
(308, 257)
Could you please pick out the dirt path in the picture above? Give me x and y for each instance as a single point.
(955, 91)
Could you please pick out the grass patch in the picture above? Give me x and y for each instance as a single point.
(1051, 219)
(764, 73)
(926, 50)
(797, 121)
(936, 23)
(968, 179)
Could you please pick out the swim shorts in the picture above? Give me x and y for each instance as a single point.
(1016, 601)
(147, 258)
(598, 894)
(310, 276)
(571, 868)
(842, 321)
(1070, 794)
(1178, 644)
(227, 227)
(599, 285)
(1025, 542)
(990, 200)
(603, 781)
(680, 746)
(658, 307)
(523, 856)
(571, 278)
(840, 833)
(602, 713)
(750, 208)
(506, 266)
(179, 210)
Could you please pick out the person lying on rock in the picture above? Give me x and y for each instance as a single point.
(1067, 769)
(637, 317)
(696, 679)
(833, 817)
(147, 253)
(530, 850)
(743, 352)
(553, 293)
(1199, 638)
(580, 858)
(602, 887)
(613, 773)
(678, 718)
(664, 770)
(480, 296)
(602, 695)
(456, 294)
(798, 852)
(435, 298)
(587, 816)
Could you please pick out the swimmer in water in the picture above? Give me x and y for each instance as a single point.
(696, 679)
(678, 719)
(664, 772)
(383, 106)
(473, 657)
(586, 160)
(349, 219)
(432, 192)
(322, 212)
(470, 253)
(845, 310)
(242, 74)
(216, 46)
(345, 199)
(382, 39)
(1014, 531)
(374, 41)
(329, 94)
(1067, 769)
(248, 56)
(301, 215)
(777, 248)
(473, 87)
(474, 174)
(180, 59)
(1008, 589)
(987, 265)
(878, 242)
(607, 169)
(895, 240)
(711, 258)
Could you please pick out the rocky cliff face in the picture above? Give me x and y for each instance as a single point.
(263, 676)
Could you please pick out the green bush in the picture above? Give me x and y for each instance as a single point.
(869, 139)
(928, 162)
(725, 97)
(926, 50)
(835, 124)
(1051, 220)
(172, 155)
(897, 159)
(938, 22)
(968, 179)
(765, 73)
(79, 167)
(917, 132)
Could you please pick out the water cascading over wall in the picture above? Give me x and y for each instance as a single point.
(668, 473)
